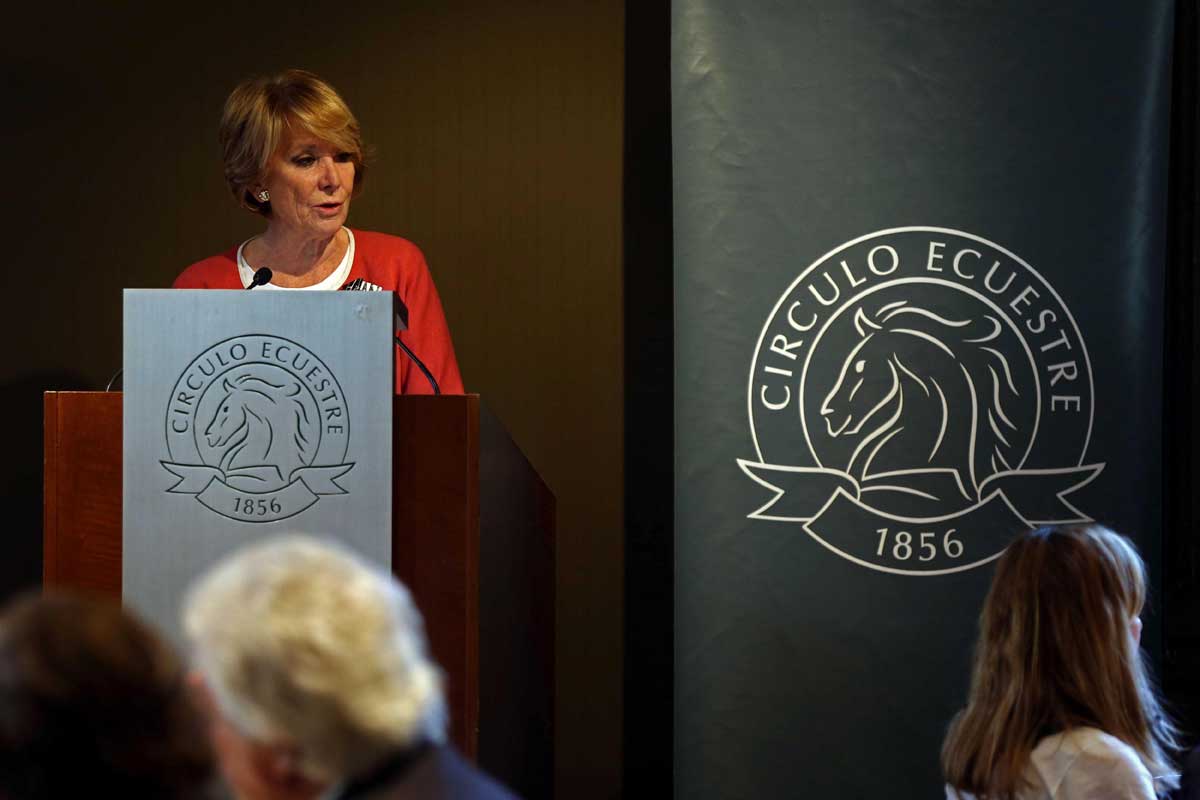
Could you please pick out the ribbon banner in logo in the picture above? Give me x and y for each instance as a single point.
(211, 489)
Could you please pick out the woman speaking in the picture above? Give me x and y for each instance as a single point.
(293, 153)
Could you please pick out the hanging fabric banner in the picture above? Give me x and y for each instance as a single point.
(918, 266)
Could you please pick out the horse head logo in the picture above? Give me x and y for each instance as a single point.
(261, 432)
(921, 392)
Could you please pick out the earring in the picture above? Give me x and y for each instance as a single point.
(263, 196)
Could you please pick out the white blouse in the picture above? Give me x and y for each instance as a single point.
(332, 281)
(1083, 764)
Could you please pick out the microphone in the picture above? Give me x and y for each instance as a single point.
(261, 278)
(424, 369)
(400, 320)
(400, 314)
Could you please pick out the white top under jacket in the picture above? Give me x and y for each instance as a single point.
(330, 282)
(1083, 764)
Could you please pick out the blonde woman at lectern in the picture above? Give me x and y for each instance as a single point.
(293, 154)
(1060, 705)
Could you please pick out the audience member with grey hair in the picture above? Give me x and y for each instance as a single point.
(318, 682)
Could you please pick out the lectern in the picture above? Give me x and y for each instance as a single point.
(471, 533)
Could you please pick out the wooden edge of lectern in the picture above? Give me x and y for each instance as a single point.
(473, 531)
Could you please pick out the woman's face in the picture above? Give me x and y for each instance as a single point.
(310, 182)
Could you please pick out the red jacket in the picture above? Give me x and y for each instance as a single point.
(394, 264)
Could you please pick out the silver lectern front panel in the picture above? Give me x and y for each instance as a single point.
(247, 415)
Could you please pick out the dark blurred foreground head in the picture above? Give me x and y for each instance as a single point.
(93, 704)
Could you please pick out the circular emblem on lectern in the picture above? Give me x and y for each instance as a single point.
(916, 397)
(257, 429)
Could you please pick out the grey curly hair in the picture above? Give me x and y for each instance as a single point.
(302, 642)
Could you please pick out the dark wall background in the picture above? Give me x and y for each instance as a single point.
(649, 402)
(1181, 389)
(498, 133)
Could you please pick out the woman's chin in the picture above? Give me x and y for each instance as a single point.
(332, 218)
(328, 227)
(316, 225)
(313, 226)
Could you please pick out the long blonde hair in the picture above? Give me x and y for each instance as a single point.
(1055, 653)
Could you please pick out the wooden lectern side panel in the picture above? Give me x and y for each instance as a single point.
(50, 456)
(82, 491)
(516, 615)
(435, 539)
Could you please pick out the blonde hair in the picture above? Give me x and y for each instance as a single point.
(260, 110)
(301, 642)
(1055, 653)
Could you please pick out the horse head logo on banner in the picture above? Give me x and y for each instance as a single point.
(918, 395)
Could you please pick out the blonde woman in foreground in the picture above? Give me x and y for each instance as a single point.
(1060, 705)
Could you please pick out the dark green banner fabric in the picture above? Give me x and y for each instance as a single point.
(918, 280)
